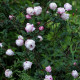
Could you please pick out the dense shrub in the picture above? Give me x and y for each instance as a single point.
(59, 48)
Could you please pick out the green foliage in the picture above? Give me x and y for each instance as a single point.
(60, 47)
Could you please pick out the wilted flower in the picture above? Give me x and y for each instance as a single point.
(30, 11)
(53, 6)
(41, 28)
(65, 16)
(9, 52)
(48, 69)
(8, 73)
(60, 10)
(37, 10)
(40, 37)
(30, 44)
(28, 16)
(68, 6)
(1, 45)
(49, 77)
(29, 27)
(27, 65)
(74, 73)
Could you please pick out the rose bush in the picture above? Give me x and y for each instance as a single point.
(39, 42)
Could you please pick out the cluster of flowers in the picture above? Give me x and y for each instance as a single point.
(53, 6)
(48, 77)
(29, 43)
(61, 10)
(33, 11)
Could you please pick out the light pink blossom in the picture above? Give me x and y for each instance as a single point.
(75, 74)
(37, 10)
(41, 28)
(47, 12)
(11, 17)
(74, 63)
(30, 44)
(68, 6)
(19, 42)
(49, 77)
(9, 52)
(40, 37)
(8, 73)
(28, 16)
(48, 69)
(53, 6)
(65, 16)
(60, 10)
(30, 11)
(29, 27)
(27, 65)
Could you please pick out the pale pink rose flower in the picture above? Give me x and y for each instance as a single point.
(41, 28)
(48, 69)
(49, 77)
(75, 74)
(27, 65)
(28, 17)
(68, 6)
(9, 52)
(37, 10)
(60, 10)
(19, 42)
(29, 27)
(8, 73)
(30, 11)
(65, 16)
(53, 6)
(11, 17)
(30, 44)
(40, 37)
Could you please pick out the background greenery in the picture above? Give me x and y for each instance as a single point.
(60, 47)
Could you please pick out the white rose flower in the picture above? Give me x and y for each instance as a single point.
(8, 73)
(19, 42)
(49, 77)
(30, 11)
(46, 79)
(29, 27)
(30, 44)
(60, 10)
(20, 37)
(65, 16)
(37, 10)
(9, 52)
(68, 6)
(27, 65)
(40, 37)
(1, 45)
(53, 6)
(74, 73)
